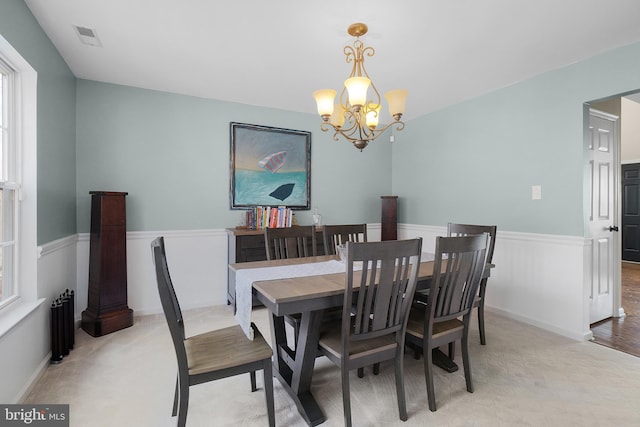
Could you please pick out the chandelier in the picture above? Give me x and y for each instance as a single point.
(356, 117)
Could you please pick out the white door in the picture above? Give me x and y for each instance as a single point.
(603, 165)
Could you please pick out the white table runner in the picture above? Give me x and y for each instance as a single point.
(246, 277)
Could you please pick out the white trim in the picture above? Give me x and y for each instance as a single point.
(16, 312)
(31, 383)
(150, 235)
(540, 324)
(543, 238)
(57, 245)
(26, 81)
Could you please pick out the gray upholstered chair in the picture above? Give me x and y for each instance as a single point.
(458, 267)
(374, 318)
(211, 355)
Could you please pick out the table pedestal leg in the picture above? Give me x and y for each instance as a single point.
(296, 379)
(441, 360)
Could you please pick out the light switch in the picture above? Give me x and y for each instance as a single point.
(536, 192)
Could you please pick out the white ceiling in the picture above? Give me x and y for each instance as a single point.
(276, 53)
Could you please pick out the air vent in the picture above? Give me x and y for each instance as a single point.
(87, 36)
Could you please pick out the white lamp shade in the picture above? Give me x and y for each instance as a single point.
(396, 99)
(357, 88)
(324, 100)
(337, 118)
(373, 117)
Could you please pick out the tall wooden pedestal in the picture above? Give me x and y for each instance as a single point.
(107, 309)
(389, 218)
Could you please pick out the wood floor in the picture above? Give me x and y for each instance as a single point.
(623, 333)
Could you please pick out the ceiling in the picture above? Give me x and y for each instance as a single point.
(276, 53)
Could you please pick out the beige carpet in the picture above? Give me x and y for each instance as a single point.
(524, 376)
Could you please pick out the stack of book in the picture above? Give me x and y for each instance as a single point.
(262, 217)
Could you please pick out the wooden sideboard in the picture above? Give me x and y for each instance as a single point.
(248, 245)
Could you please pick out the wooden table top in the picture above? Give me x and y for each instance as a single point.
(282, 291)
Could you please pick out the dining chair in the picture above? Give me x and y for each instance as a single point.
(457, 271)
(290, 242)
(454, 229)
(334, 236)
(374, 318)
(211, 355)
(339, 234)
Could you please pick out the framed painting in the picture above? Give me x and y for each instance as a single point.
(269, 167)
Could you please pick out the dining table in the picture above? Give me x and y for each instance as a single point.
(306, 287)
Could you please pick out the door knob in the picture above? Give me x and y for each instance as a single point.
(613, 228)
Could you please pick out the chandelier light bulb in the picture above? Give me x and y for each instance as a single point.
(396, 99)
(373, 117)
(324, 100)
(357, 89)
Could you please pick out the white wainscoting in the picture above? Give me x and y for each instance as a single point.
(197, 261)
(57, 265)
(538, 279)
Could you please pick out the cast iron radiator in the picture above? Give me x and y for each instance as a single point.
(62, 326)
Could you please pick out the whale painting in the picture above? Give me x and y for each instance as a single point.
(269, 167)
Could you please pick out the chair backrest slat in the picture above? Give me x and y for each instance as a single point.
(290, 242)
(386, 285)
(335, 235)
(458, 267)
(454, 230)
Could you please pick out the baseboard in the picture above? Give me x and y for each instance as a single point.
(158, 310)
(33, 379)
(542, 325)
(588, 336)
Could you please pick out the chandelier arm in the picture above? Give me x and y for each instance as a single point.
(350, 122)
(351, 56)
(398, 126)
(366, 136)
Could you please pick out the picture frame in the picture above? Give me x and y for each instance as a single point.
(269, 166)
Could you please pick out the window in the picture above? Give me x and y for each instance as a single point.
(18, 188)
(9, 183)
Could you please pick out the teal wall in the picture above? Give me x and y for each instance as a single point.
(476, 161)
(171, 154)
(56, 121)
